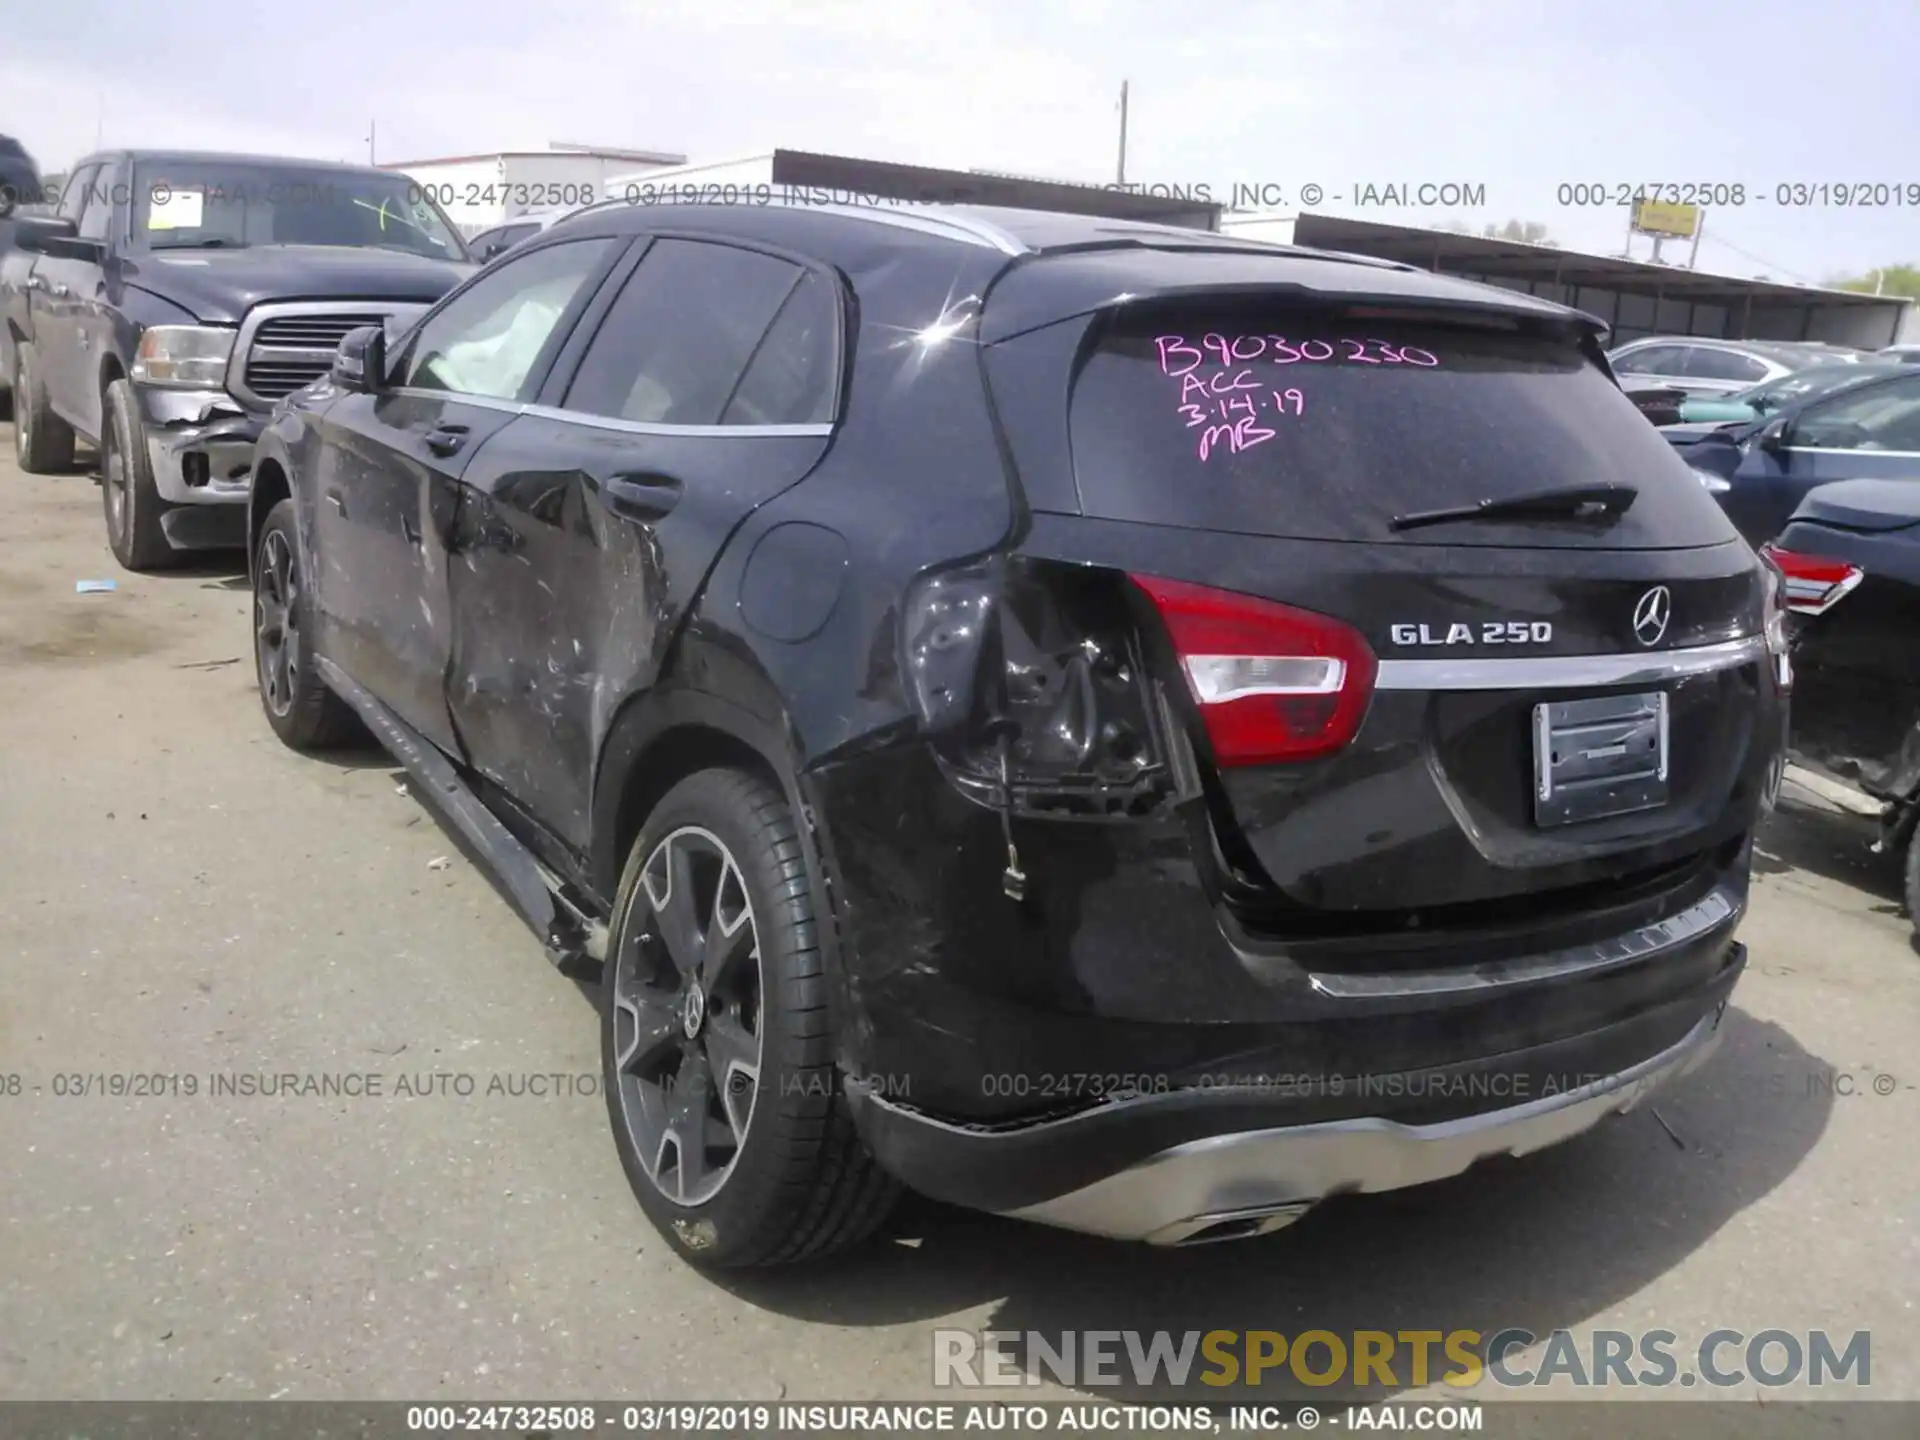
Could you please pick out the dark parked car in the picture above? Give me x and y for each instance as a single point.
(1823, 378)
(174, 297)
(1851, 558)
(1143, 753)
(1761, 470)
(19, 177)
(1661, 404)
(489, 244)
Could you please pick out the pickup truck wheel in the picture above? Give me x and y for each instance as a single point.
(1912, 888)
(718, 1058)
(41, 439)
(303, 712)
(133, 506)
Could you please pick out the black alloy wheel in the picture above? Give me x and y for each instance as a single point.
(688, 1019)
(276, 622)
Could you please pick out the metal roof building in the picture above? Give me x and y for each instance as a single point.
(1634, 297)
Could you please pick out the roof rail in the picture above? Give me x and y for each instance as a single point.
(927, 219)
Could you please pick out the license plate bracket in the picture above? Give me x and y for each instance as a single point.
(1599, 757)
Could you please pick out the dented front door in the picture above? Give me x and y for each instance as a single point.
(388, 491)
(581, 544)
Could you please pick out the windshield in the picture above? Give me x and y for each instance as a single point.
(192, 204)
(1317, 426)
(1805, 384)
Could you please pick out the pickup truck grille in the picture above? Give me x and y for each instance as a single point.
(289, 351)
(285, 346)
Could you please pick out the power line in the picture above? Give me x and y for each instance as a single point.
(1772, 268)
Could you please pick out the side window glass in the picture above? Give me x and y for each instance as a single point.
(790, 379)
(1710, 364)
(73, 199)
(1654, 360)
(97, 212)
(1886, 417)
(486, 340)
(677, 341)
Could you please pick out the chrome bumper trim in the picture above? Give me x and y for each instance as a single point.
(1569, 672)
(1718, 909)
(166, 452)
(1180, 1194)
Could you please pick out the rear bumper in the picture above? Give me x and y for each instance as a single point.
(1219, 1163)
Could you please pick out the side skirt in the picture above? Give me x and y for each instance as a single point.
(536, 894)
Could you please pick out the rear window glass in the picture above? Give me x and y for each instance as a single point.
(1323, 426)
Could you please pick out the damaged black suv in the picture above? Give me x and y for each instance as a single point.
(1095, 722)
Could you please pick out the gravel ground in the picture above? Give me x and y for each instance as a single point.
(181, 897)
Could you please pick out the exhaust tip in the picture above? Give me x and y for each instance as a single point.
(1231, 1225)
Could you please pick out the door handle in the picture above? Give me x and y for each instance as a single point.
(498, 535)
(61, 292)
(338, 501)
(641, 497)
(34, 282)
(444, 440)
(407, 529)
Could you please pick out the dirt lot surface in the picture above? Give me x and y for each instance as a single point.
(181, 897)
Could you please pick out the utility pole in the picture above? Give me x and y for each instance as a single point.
(100, 122)
(1693, 255)
(1121, 174)
(371, 126)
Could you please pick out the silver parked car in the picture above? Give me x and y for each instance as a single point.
(1704, 367)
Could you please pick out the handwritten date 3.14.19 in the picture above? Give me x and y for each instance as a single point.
(1223, 397)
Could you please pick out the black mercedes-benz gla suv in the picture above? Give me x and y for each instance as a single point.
(1095, 722)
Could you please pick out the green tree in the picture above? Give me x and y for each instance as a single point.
(1527, 232)
(1902, 282)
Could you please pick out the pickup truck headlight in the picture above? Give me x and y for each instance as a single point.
(190, 356)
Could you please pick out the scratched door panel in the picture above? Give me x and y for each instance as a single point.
(387, 502)
(567, 596)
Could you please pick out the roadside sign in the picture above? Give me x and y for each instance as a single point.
(1655, 217)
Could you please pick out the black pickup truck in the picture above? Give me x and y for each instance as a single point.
(174, 297)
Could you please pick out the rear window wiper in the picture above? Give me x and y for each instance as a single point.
(1572, 502)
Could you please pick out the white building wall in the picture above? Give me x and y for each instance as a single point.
(745, 179)
(1273, 229)
(481, 193)
(559, 181)
(466, 189)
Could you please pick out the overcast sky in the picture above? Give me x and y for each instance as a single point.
(1521, 97)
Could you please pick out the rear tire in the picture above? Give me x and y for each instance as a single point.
(777, 1173)
(303, 712)
(128, 497)
(42, 441)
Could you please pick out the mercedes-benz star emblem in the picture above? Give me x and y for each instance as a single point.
(693, 1011)
(1650, 615)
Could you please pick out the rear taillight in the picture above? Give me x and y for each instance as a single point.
(1813, 584)
(1272, 683)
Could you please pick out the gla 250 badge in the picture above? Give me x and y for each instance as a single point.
(1488, 632)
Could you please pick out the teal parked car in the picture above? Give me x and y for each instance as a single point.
(1770, 395)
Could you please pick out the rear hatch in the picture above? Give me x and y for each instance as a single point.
(1501, 721)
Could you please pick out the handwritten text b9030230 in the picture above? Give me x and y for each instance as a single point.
(1180, 354)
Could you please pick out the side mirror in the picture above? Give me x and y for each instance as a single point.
(53, 235)
(491, 249)
(1772, 436)
(361, 362)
